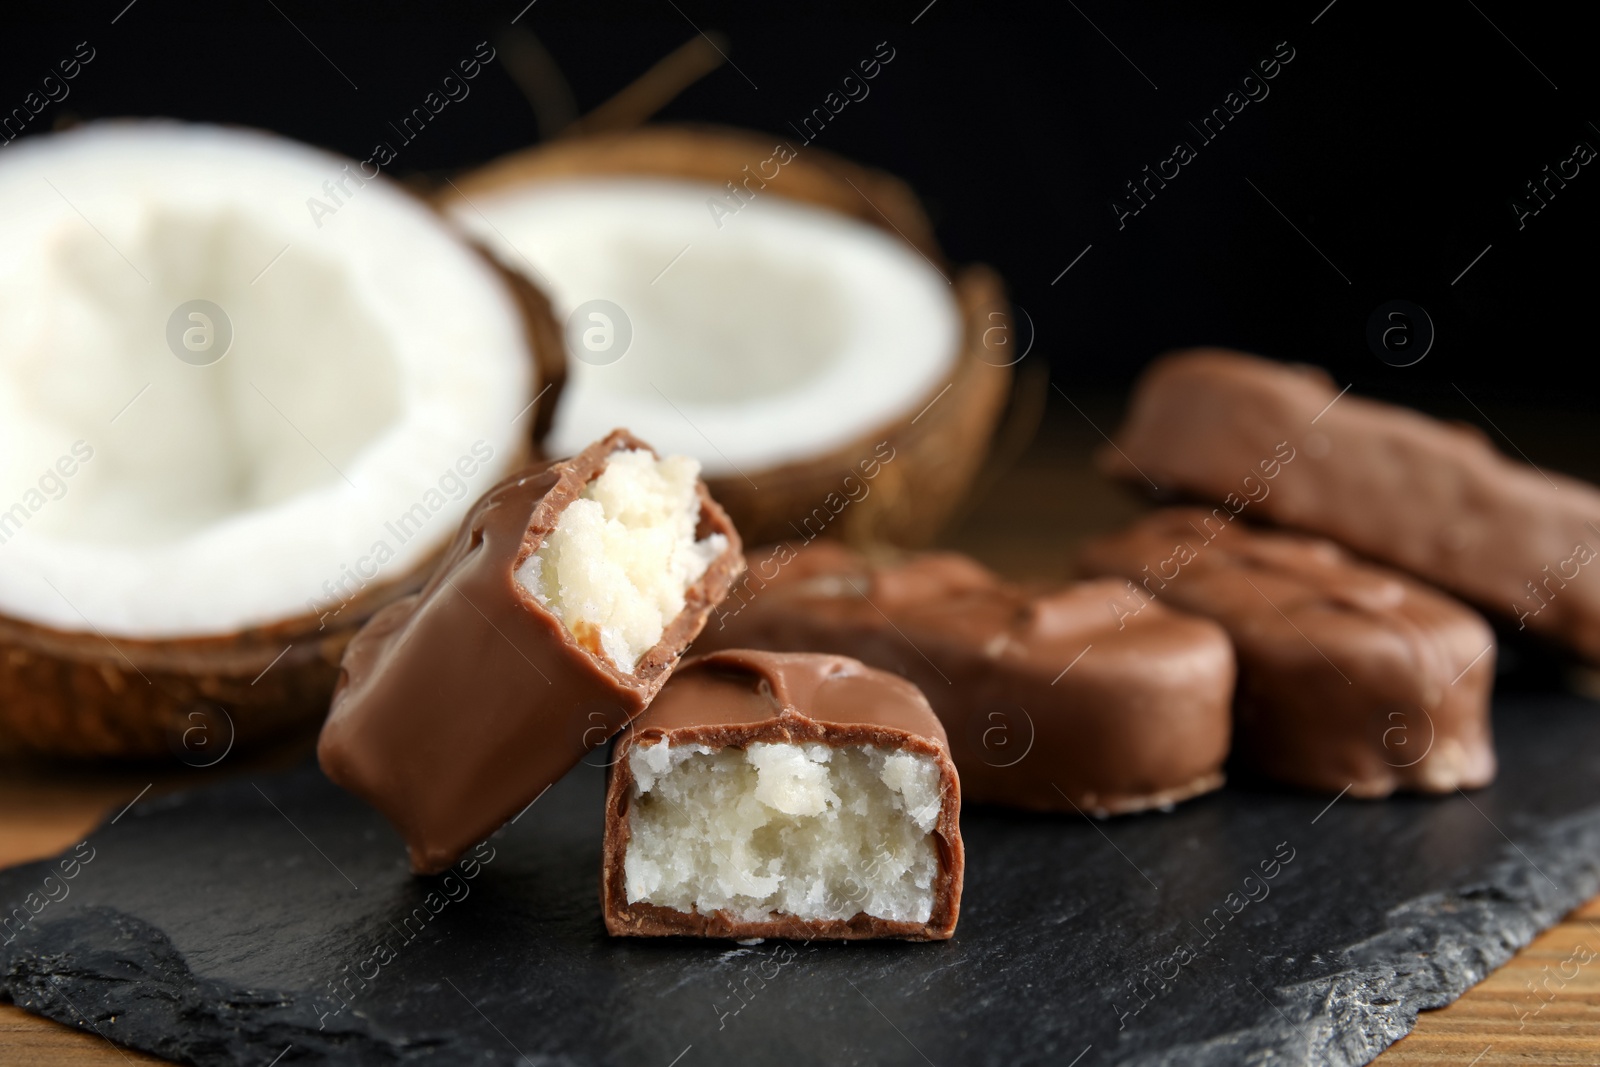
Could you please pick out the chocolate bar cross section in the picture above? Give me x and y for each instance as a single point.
(768, 794)
(460, 705)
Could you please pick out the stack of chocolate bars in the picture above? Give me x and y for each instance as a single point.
(801, 774)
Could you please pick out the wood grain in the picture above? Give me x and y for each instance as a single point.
(1541, 1007)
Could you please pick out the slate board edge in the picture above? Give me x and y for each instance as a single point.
(1433, 949)
(163, 1008)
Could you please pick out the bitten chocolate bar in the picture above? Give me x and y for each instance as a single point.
(1050, 701)
(1350, 675)
(558, 611)
(773, 795)
(1428, 497)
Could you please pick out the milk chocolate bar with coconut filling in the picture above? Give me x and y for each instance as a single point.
(1431, 498)
(767, 794)
(556, 614)
(1350, 675)
(1052, 702)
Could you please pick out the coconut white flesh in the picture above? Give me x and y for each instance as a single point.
(622, 557)
(809, 830)
(369, 357)
(788, 332)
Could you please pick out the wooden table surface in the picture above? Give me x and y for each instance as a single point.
(1542, 1007)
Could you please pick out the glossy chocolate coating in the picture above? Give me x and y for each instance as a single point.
(738, 697)
(459, 705)
(1350, 675)
(1432, 498)
(1049, 703)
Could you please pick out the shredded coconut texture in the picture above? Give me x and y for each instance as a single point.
(810, 830)
(622, 557)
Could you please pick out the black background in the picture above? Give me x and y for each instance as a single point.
(1394, 141)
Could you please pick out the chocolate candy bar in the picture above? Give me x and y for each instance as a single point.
(1350, 675)
(558, 611)
(773, 795)
(1050, 703)
(1434, 499)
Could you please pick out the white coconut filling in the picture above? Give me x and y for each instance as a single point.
(779, 332)
(809, 830)
(622, 557)
(371, 391)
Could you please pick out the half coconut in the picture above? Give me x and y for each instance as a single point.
(781, 315)
(247, 392)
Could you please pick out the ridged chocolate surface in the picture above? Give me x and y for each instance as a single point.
(1350, 675)
(1050, 701)
(1435, 499)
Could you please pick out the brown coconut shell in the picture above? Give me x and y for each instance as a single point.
(83, 695)
(939, 444)
(547, 345)
(92, 696)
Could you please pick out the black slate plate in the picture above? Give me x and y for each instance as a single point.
(210, 927)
